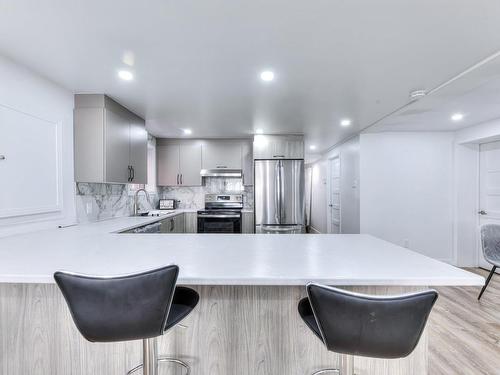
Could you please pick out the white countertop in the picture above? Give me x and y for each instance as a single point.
(221, 259)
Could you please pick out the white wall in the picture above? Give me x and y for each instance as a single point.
(26, 92)
(407, 190)
(349, 189)
(467, 198)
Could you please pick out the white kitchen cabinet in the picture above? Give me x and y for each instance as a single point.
(247, 222)
(167, 164)
(117, 140)
(179, 224)
(278, 147)
(110, 142)
(178, 164)
(138, 150)
(190, 163)
(247, 162)
(221, 154)
(190, 222)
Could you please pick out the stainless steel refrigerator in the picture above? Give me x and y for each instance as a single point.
(279, 196)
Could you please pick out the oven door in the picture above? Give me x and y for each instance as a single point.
(219, 223)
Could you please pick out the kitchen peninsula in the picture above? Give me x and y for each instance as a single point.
(247, 321)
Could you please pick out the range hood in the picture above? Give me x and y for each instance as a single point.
(222, 172)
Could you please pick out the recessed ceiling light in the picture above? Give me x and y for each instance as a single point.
(259, 131)
(267, 76)
(125, 75)
(187, 131)
(457, 116)
(345, 122)
(312, 147)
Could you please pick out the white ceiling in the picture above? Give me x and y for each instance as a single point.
(196, 63)
(476, 95)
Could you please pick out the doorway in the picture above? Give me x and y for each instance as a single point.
(334, 200)
(489, 190)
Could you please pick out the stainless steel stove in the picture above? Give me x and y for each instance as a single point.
(222, 214)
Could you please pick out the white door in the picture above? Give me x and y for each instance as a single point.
(489, 189)
(334, 204)
(190, 164)
(167, 164)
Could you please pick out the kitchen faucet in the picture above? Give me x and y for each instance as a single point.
(136, 206)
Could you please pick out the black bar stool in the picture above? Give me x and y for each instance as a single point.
(130, 307)
(372, 326)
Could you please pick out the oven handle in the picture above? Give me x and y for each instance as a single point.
(219, 216)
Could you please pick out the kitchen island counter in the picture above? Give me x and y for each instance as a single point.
(246, 322)
(221, 259)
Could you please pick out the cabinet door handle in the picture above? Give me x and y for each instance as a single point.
(172, 225)
(133, 173)
(181, 178)
(278, 156)
(177, 178)
(2, 157)
(221, 166)
(129, 173)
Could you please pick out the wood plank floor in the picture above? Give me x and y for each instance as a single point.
(464, 334)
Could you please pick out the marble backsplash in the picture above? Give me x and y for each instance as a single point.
(96, 202)
(194, 196)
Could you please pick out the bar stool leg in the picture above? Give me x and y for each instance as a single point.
(150, 357)
(347, 364)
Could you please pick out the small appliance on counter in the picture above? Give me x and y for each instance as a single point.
(222, 214)
(168, 204)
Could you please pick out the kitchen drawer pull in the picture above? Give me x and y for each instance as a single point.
(221, 166)
(278, 156)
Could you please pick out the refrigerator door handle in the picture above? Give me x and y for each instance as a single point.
(277, 190)
(282, 192)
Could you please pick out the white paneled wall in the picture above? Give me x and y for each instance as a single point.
(36, 137)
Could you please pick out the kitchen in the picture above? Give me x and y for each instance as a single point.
(163, 213)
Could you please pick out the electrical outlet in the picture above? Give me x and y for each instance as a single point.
(88, 208)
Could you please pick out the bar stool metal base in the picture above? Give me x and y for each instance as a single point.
(346, 366)
(151, 360)
(327, 371)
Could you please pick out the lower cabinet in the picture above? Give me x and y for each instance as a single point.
(190, 222)
(173, 224)
(247, 223)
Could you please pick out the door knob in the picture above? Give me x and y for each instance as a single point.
(482, 212)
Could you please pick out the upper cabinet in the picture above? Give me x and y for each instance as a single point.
(178, 163)
(247, 162)
(110, 142)
(278, 147)
(221, 154)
